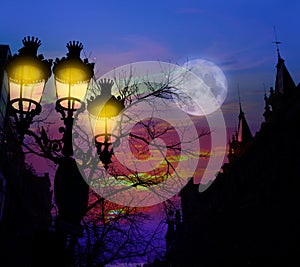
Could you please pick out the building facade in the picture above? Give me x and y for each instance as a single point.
(250, 215)
(25, 198)
(4, 55)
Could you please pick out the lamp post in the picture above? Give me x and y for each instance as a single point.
(28, 74)
(72, 76)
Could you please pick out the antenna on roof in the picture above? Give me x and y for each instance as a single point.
(238, 89)
(276, 42)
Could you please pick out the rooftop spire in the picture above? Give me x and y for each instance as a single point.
(243, 134)
(242, 137)
(238, 88)
(284, 83)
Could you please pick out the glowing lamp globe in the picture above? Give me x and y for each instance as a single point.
(72, 76)
(103, 109)
(27, 75)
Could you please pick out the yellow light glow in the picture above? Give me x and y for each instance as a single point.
(26, 74)
(71, 75)
(108, 111)
(103, 107)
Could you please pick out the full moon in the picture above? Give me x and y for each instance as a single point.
(205, 85)
(200, 87)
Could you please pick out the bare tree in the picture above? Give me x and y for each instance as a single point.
(112, 232)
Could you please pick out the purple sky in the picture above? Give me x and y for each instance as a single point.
(236, 35)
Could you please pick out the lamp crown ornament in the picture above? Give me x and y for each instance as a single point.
(106, 86)
(30, 46)
(74, 48)
(105, 105)
(85, 70)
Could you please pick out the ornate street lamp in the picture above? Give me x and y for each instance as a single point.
(103, 108)
(72, 76)
(27, 74)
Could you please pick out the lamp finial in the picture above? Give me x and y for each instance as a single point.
(74, 48)
(30, 46)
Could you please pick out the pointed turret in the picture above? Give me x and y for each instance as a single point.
(242, 138)
(244, 134)
(284, 83)
(285, 87)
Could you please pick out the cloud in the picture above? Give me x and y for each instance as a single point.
(243, 63)
(230, 58)
(129, 49)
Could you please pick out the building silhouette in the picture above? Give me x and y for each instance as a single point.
(25, 198)
(249, 216)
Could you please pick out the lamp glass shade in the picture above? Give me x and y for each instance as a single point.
(26, 81)
(67, 90)
(71, 82)
(103, 128)
(21, 91)
(104, 115)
